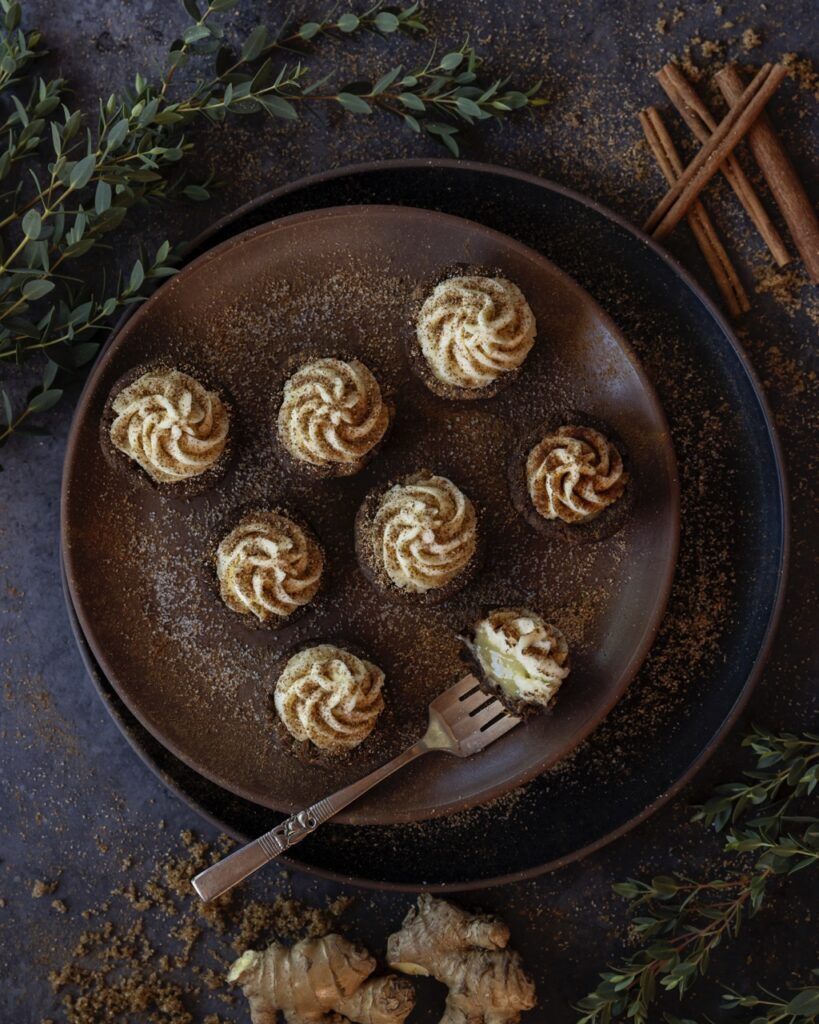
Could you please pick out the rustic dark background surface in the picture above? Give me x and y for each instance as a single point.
(76, 801)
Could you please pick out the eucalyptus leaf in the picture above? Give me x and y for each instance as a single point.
(279, 107)
(137, 277)
(49, 373)
(452, 61)
(409, 99)
(102, 196)
(44, 400)
(32, 224)
(355, 104)
(348, 23)
(37, 289)
(194, 33)
(82, 171)
(386, 81)
(255, 43)
(468, 107)
(386, 21)
(196, 192)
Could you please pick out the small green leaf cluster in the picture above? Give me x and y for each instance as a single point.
(679, 921)
(448, 87)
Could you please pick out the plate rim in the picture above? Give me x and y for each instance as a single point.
(769, 632)
(655, 613)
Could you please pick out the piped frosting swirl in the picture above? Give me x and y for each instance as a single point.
(268, 566)
(472, 330)
(574, 473)
(520, 653)
(169, 424)
(332, 413)
(425, 531)
(329, 697)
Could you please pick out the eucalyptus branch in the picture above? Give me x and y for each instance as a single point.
(680, 921)
(17, 49)
(75, 179)
(800, 1007)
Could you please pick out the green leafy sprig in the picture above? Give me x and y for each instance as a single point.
(800, 1007)
(680, 921)
(76, 180)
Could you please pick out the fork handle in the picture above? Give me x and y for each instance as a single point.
(224, 874)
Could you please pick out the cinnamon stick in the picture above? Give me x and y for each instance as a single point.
(780, 175)
(711, 156)
(719, 263)
(698, 118)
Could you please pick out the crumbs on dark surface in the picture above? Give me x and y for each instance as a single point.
(137, 955)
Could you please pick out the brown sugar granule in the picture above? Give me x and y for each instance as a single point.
(40, 889)
(803, 71)
(712, 48)
(691, 70)
(60, 906)
(291, 918)
(790, 288)
(661, 26)
(751, 39)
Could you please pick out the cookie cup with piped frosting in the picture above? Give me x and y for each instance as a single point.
(418, 539)
(571, 479)
(472, 335)
(331, 416)
(326, 700)
(169, 428)
(266, 565)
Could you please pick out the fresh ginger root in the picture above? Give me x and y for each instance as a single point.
(467, 952)
(316, 978)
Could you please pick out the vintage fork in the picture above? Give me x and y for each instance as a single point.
(462, 721)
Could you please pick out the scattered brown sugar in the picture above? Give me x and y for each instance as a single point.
(712, 48)
(686, 61)
(145, 966)
(803, 72)
(751, 39)
(789, 287)
(60, 906)
(661, 26)
(40, 889)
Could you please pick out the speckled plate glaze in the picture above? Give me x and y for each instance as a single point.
(247, 313)
(678, 708)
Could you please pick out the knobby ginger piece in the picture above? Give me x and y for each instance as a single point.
(468, 953)
(317, 978)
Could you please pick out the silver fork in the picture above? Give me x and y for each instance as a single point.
(462, 721)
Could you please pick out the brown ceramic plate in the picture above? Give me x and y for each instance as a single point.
(345, 281)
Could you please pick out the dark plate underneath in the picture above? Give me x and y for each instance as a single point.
(726, 594)
(246, 313)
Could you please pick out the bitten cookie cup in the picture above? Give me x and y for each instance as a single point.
(268, 568)
(169, 428)
(418, 539)
(331, 417)
(326, 701)
(472, 335)
(517, 657)
(571, 479)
